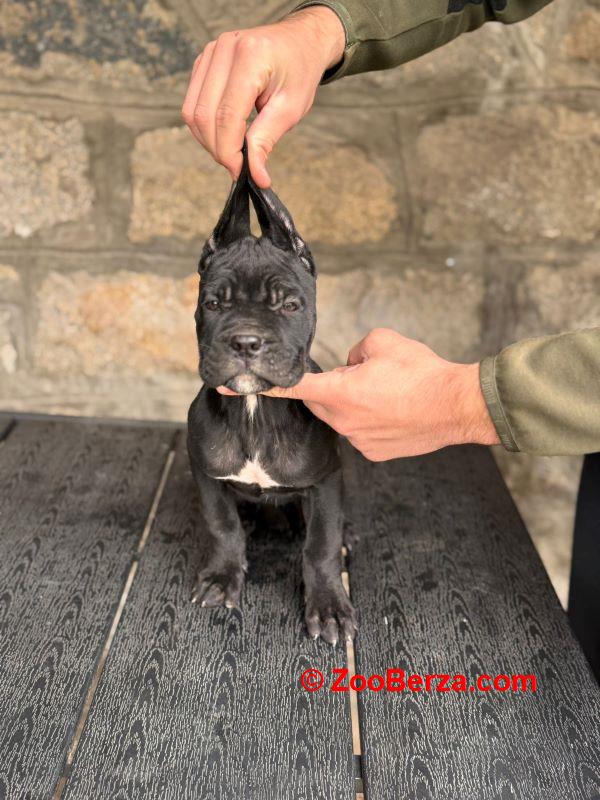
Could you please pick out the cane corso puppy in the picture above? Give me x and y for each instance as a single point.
(255, 323)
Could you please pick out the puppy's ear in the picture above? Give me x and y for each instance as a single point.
(234, 222)
(276, 222)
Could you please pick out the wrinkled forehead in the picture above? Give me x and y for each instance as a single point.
(254, 264)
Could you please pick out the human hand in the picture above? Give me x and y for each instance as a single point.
(397, 398)
(275, 68)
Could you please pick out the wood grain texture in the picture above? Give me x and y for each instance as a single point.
(446, 580)
(73, 501)
(206, 703)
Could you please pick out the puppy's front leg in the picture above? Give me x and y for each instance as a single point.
(329, 611)
(221, 579)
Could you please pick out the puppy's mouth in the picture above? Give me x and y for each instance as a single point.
(254, 375)
(248, 383)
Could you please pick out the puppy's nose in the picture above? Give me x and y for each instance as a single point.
(246, 344)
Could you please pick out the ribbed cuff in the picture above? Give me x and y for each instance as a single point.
(489, 387)
(340, 69)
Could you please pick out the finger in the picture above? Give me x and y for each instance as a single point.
(275, 118)
(347, 368)
(246, 82)
(191, 97)
(212, 89)
(376, 341)
(313, 387)
(192, 92)
(358, 353)
(304, 390)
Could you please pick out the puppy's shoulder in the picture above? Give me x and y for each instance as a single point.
(203, 410)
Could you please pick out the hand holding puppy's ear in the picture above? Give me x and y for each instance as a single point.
(273, 68)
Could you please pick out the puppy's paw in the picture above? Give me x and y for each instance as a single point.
(329, 612)
(219, 585)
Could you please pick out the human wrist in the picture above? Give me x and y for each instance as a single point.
(471, 419)
(326, 30)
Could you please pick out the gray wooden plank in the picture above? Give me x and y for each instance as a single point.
(129, 422)
(446, 580)
(200, 703)
(73, 501)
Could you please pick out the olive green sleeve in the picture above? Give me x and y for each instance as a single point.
(384, 33)
(543, 394)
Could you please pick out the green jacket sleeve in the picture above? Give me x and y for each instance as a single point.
(544, 394)
(384, 33)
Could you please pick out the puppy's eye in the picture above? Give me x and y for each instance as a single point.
(291, 305)
(211, 305)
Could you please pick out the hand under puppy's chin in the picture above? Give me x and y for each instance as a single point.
(248, 383)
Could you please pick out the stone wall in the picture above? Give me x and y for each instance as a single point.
(475, 223)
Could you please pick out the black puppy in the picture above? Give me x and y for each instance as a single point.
(255, 322)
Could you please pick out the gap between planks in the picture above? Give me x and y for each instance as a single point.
(89, 698)
(354, 712)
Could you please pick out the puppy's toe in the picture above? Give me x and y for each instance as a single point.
(329, 631)
(206, 592)
(313, 625)
(199, 590)
(232, 593)
(213, 595)
(348, 626)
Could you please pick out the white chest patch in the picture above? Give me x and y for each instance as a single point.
(251, 403)
(251, 472)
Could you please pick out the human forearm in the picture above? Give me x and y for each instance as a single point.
(469, 421)
(385, 33)
(543, 394)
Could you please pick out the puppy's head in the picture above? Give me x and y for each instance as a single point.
(256, 315)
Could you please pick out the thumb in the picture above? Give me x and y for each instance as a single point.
(275, 118)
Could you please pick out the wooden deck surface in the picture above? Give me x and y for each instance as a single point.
(112, 685)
